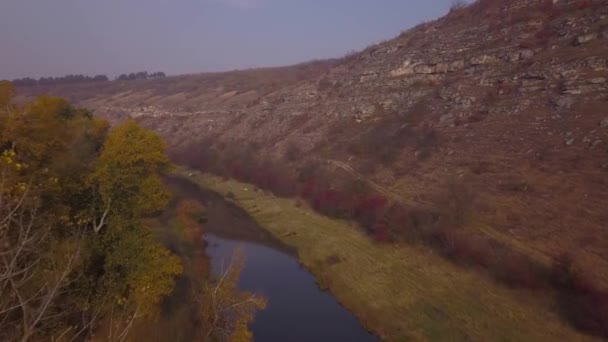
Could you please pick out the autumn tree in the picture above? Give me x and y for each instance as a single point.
(7, 91)
(126, 185)
(126, 175)
(73, 248)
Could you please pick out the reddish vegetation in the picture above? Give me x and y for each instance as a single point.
(583, 304)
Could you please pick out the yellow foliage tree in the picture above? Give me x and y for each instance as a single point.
(139, 272)
(60, 172)
(127, 174)
(7, 91)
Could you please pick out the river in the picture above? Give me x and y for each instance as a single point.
(297, 310)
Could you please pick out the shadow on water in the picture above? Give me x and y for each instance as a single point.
(297, 309)
(224, 219)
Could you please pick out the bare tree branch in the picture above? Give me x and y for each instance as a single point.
(102, 221)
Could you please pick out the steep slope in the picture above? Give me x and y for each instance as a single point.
(514, 93)
(508, 98)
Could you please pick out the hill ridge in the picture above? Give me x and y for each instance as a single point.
(509, 95)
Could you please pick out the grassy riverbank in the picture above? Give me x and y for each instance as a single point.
(399, 292)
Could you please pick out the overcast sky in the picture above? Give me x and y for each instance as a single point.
(58, 37)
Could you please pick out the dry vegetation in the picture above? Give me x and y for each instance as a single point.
(434, 301)
(439, 225)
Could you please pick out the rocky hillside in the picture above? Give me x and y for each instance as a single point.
(509, 97)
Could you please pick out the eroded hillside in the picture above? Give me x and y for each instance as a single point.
(507, 97)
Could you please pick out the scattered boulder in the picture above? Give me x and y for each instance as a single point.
(442, 68)
(597, 80)
(482, 60)
(563, 103)
(368, 76)
(457, 65)
(446, 119)
(584, 39)
(596, 63)
(534, 75)
(424, 69)
(526, 54)
(604, 123)
(596, 143)
(407, 68)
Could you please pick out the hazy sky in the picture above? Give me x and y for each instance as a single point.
(58, 37)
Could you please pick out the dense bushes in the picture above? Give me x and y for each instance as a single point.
(581, 302)
(438, 226)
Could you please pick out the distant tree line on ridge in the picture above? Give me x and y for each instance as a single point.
(142, 75)
(68, 79)
(75, 79)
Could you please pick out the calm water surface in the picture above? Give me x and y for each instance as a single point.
(297, 309)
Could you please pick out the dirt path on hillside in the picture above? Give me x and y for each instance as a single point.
(380, 189)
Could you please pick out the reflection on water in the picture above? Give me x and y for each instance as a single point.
(297, 309)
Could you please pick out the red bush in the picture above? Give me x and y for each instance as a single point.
(369, 210)
(380, 232)
(517, 270)
(582, 303)
(398, 223)
(584, 4)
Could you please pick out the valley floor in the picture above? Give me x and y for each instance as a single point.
(399, 292)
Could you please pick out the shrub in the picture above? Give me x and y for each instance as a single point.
(581, 302)
(584, 4)
(458, 5)
(380, 232)
(587, 311)
(563, 271)
(543, 36)
(369, 210)
(517, 270)
(384, 141)
(293, 152)
(324, 84)
(454, 203)
(426, 141)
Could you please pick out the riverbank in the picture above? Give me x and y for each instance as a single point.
(271, 270)
(398, 292)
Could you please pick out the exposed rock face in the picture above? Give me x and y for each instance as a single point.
(482, 60)
(492, 83)
(584, 39)
(563, 102)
